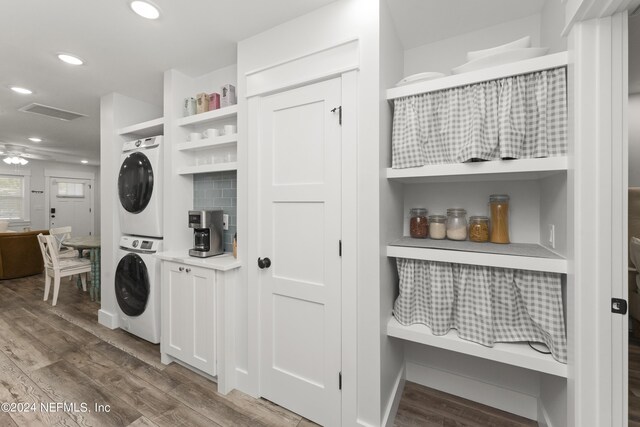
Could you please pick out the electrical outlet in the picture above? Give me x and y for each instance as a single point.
(225, 221)
(552, 236)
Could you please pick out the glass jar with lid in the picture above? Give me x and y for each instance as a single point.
(479, 229)
(418, 223)
(456, 224)
(499, 204)
(437, 227)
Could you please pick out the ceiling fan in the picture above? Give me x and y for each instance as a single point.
(19, 155)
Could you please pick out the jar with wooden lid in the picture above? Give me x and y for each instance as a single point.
(418, 223)
(479, 229)
(499, 204)
(437, 227)
(456, 224)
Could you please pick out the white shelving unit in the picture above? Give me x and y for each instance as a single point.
(520, 169)
(517, 256)
(145, 129)
(216, 142)
(506, 70)
(516, 354)
(209, 116)
(216, 167)
(463, 180)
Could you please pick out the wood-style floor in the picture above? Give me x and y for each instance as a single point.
(634, 382)
(61, 354)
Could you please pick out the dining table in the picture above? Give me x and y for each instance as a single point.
(92, 244)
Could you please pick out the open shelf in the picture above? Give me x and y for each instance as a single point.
(209, 116)
(486, 74)
(145, 129)
(516, 354)
(215, 142)
(215, 167)
(521, 256)
(498, 170)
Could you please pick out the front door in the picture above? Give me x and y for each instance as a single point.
(70, 202)
(299, 225)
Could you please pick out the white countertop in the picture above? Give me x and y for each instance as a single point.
(222, 262)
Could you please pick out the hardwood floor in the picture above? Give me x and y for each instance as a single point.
(634, 382)
(61, 354)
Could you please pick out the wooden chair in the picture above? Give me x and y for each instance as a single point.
(60, 267)
(61, 234)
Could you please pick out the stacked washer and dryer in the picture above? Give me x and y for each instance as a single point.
(137, 276)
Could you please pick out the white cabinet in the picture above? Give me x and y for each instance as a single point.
(198, 296)
(189, 315)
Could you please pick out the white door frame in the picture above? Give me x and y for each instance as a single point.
(340, 60)
(50, 174)
(598, 177)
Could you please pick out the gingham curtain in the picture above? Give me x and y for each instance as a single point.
(516, 117)
(484, 304)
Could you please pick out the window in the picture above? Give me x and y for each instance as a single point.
(70, 189)
(13, 197)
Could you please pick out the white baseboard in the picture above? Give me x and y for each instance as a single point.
(107, 319)
(394, 401)
(488, 394)
(244, 383)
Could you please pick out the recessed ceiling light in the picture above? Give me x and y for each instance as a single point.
(84, 161)
(70, 59)
(145, 9)
(21, 90)
(34, 139)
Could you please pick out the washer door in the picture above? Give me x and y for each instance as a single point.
(132, 285)
(135, 182)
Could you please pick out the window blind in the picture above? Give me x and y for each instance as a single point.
(12, 197)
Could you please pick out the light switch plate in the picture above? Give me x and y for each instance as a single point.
(225, 221)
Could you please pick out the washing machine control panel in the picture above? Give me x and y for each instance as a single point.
(142, 244)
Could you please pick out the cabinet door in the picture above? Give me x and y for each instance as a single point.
(177, 297)
(203, 319)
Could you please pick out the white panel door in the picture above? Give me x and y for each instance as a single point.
(300, 193)
(70, 203)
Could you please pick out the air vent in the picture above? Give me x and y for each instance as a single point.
(53, 112)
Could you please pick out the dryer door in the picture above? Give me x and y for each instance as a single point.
(135, 182)
(132, 285)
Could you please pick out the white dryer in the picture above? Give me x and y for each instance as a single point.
(137, 286)
(140, 187)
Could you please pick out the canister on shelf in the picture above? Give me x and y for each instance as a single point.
(202, 103)
(418, 223)
(499, 204)
(479, 229)
(456, 224)
(214, 101)
(189, 107)
(437, 227)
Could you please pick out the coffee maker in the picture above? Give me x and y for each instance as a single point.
(207, 233)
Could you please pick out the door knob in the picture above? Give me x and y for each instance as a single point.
(264, 263)
(181, 268)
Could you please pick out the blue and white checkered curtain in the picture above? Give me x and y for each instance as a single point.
(485, 305)
(517, 117)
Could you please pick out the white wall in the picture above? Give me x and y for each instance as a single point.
(391, 207)
(449, 53)
(634, 140)
(38, 216)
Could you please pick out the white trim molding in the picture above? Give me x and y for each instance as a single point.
(59, 173)
(316, 66)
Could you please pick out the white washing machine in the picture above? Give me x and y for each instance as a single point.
(137, 286)
(140, 187)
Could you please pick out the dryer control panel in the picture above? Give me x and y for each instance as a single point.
(139, 243)
(151, 142)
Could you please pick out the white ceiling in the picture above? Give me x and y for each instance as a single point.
(123, 53)
(127, 54)
(420, 22)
